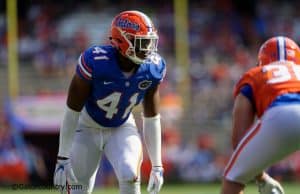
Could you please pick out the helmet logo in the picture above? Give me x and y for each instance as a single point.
(124, 23)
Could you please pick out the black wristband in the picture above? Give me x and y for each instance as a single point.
(62, 158)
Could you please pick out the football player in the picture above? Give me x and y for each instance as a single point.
(271, 93)
(109, 82)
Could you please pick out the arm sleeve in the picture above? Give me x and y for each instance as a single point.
(67, 131)
(152, 138)
(84, 68)
(246, 90)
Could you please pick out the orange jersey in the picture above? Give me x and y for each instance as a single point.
(270, 81)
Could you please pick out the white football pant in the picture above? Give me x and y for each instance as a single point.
(274, 137)
(122, 147)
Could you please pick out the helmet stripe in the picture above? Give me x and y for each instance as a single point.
(281, 48)
(284, 46)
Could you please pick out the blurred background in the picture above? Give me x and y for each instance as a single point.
(207, 45)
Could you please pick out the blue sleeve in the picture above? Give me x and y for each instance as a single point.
(246, 90)
(84, 66)
(158, 68)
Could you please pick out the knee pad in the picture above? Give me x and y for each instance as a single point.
(128, 174)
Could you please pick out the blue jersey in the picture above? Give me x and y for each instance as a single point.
(114, 95)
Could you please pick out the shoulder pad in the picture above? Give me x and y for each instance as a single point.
(91, 58)
(157, 66)
(96, 53)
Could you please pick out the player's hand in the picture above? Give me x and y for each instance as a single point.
(269, 186)
(63, 174)
(156, 180)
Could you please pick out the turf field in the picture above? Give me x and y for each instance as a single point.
(290, 188)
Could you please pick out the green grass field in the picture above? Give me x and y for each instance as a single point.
(290, 188)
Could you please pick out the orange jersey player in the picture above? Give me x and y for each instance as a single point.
(270, 92)
(270, 82)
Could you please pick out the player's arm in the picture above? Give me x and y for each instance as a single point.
(152, 137)
(243, 116)
(78, 92)
(152, 126)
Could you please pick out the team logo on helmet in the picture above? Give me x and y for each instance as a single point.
(124, 23)
(143, 85)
